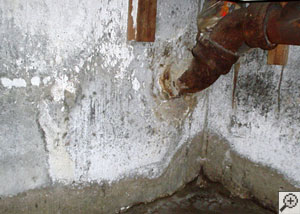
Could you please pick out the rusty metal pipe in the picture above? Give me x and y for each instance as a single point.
(229, 31)
(214, 56)
(284, 27)
(262, 25)
(210, 61)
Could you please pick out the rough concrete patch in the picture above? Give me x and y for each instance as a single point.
(255, 129)
(241, 176)
(211, 199)
(106, 198)
(23, 159)
(175, 111)
(53, 124)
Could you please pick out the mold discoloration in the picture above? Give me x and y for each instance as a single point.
(100, 113)
(257, 91)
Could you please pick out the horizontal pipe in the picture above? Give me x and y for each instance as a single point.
(262, 25)
(284, 27)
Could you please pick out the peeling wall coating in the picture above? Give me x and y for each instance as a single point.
(80, 106)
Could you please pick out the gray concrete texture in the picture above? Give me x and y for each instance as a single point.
(82, 115)
(211, 198)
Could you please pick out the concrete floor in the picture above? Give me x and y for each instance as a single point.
(211, 199)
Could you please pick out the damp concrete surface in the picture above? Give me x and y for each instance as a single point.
(212, 198)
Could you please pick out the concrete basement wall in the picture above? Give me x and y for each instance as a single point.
(258, 139)
(83, 125)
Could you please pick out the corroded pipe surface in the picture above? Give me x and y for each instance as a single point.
(255, 24)
(229, 31)
(284, 27)
(262, 25)
(210, 61)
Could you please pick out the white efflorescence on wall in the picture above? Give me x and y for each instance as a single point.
(35, 81)
(96, 96)
(264, 124)
(16, 82)
(96, 104)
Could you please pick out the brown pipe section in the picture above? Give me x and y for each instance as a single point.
(284, 26)
(262, 25)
